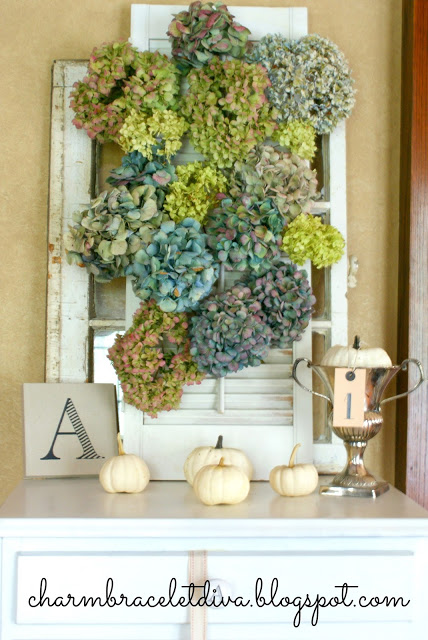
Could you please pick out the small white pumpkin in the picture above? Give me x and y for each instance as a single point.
(203, 456)
(356, 356)
(221, 484)
(125, 473)
(294, 479)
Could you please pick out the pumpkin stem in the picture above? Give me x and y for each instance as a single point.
(357, 341)
(293, 455)
(119, 445)
(219, 444)
(221, 463)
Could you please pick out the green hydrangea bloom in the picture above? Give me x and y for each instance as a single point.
(228, 110)
(159, 133)
(194, 192)
(307, 238)
(298, 137)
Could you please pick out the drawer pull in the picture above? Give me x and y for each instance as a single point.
(220, 591)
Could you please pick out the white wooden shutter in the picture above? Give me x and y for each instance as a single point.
(265, 413)
(258, 409)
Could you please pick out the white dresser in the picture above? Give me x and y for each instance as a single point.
(67, 541)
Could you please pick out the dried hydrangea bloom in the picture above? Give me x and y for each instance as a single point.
(203, 31)
(152, 376)
(227, 109)
(175, 268)
(110, 232)
(136, 170)
(310, 79)
(194, 192)
(158, 134)
(307, 238)
(286, 300)
(298, 137)
(245, 235)
(229, 333)
(284, 178)
(121, 78)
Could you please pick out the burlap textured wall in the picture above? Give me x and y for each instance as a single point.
(35, 32)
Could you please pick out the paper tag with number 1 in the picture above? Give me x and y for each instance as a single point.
(349, 396)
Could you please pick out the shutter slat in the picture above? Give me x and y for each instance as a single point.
(229, 417)
(269, 386)
(263, 371)
(241, 401)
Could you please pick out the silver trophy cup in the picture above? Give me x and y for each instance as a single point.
(355, 480)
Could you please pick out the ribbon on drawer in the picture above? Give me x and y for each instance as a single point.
(198, 577)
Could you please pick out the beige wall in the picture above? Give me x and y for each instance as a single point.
(35, 32)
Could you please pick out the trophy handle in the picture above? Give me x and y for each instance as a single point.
(403, 366)
(319, 373)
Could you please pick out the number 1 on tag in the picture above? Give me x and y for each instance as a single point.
(349, 396)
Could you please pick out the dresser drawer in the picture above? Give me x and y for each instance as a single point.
(296, 593)
(307, 588)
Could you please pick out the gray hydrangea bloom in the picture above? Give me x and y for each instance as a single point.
(311, 79)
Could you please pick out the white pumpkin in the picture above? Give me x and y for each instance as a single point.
(221, 484)
(356, 356)
(125, 473)
(294, 479)
(203, 456)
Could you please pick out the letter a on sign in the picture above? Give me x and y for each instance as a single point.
(79, 430)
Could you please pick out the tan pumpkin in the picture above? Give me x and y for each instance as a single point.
(203, 456)
(125, 473)
(356, 356)
(221, 484)
(294, 479)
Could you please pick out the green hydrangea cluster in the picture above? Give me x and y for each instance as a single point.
(136, 170)
(205, 30)
(286, 300)
(227, 110)
(245, 235)
(152, 377)
(175, 268)
(307, 238)
(194, 192)
(229, 333)
(107, 236)
(297, 136)
(159, 133)
(121, 78)
(282, 177)
(310, 79)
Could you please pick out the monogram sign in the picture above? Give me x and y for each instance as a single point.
(70, 429)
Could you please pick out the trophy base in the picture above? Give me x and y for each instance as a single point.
(356, 492)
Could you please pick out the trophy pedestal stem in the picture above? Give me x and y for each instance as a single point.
(355, 480)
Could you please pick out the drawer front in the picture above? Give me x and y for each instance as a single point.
(304, 589)
(101, 588)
